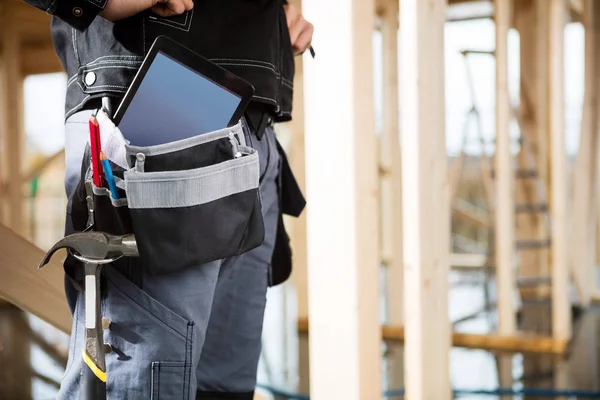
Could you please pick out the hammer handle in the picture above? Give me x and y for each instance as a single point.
(92, 387)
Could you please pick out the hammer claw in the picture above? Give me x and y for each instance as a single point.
(91, 244)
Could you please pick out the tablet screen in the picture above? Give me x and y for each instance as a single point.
(174, 102)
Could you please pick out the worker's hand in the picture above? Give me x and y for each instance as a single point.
(120, 9)
(168, 8)
(301, 31)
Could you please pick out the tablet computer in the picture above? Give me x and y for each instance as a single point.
(178, 94)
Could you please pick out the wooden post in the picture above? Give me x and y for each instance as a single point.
(586, 166)
(11, 119)
(15, 346)
(505, 204)
(391, 188)
(391, 163)
(561, 310)
(543, 123)
(530, 225)
(297, 161)
(426, 203)
(342, 190)
(505, 375)
(583, 354)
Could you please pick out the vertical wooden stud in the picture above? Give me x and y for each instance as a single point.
(11, 120)
(586, 170)
(505, 204)
(390, 161)
(342, 216)
(529, 224)
(505, 375)
(15, 364)
(297, 161)
(561, 310)
(425, 203)
(543, 121)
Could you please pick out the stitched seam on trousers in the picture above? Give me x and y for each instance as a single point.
(158, 391)
(185, 375)
(188, 362)
(74, 338)
(148, 311)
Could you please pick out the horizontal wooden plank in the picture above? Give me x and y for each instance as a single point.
(39, 292)
(459, 261)
(468, 212)
(519, 343)
(40, 60)
(468, 261)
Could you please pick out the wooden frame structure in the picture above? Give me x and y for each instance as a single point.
(542, 70)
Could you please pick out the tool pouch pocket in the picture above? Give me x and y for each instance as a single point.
(194, 201)
(187, 202)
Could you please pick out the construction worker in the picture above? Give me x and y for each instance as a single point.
(195, 333)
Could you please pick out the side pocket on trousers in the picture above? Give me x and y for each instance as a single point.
(170, 380)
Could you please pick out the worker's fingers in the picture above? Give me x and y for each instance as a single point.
(304, 40)
(162, 11)
(296, 28)
(291, 14)
(189, 4)
(170, 8)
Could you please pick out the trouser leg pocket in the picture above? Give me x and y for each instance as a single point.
(151, 344)
(168, 380)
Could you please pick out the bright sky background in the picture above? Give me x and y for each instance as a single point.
(44, 94)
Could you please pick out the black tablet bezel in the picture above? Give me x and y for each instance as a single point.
(195, 62)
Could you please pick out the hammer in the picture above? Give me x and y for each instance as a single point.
(94, 249)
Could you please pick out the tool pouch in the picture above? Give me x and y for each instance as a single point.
(187, 202)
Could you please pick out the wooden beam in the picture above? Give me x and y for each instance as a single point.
(518, 343)
(37, 169)
(504, 367)
(595, 297)
(30, 23)
(542, 123)
(297, 159)
(391, 190)
(40, 60)
(579, 7)
(468, 261)
(38, 292)
(561, 307)
(12, 121)
(505, 214)
(585, 173)
(468, 212)
(342, 224)
(529, 224)
(260, 396)
(15, 363)
(426, 203)
(390, 159)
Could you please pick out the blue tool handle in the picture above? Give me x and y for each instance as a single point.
(110, 180)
